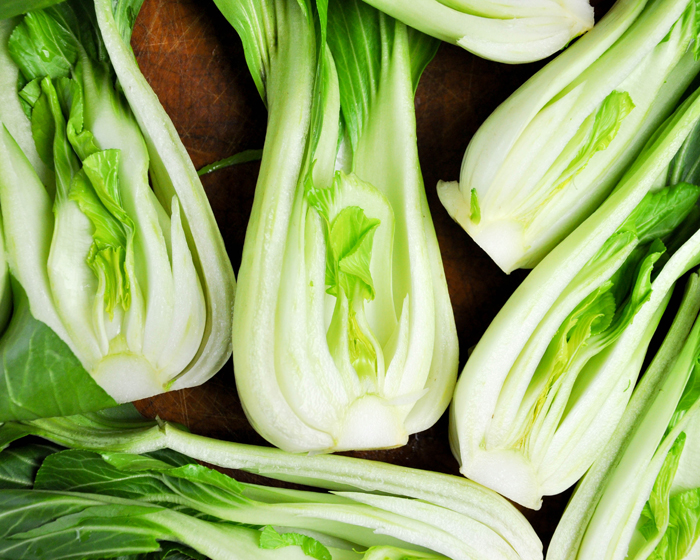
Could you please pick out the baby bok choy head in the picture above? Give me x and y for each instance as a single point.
(553, 151)
(343, 332)
(381, 505)
(510, 31)
(548, 382)
(120, 291)
(641, 499)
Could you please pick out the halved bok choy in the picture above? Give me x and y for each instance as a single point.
(343, 332)
(641, 499)
(548, 382)
(555, 149)
(121, 291)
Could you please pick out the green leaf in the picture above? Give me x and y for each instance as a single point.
(100, 200)
(596, 133)
(29, 95)
(590, 318)
(685, 165)
(137, 477)
(361, 38)
(41, 46)
(683, 527)
(655, 515)
(272, 540)
(40, 375)
(73, 527)
(423, 49)
(43, 129)
(12, 8)
(81, 139)
(177, 466)
(65, 162)
(357, 35)
(242, 157)
(250, 18)
(351, 236)
(660, 213)
(19, 465)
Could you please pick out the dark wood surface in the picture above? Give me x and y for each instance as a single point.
(194, 61)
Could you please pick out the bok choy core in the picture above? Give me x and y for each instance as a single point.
(343, 332)
(120, 291)
(510, 31)
(641, 499)
(548, 382)
(443, 513)
(553, 151)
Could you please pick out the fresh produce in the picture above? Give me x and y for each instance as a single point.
(123, 503)
(119, 291)
(641, 498)
(553, 151)
(343, 332)
(510, 31)
(549, 381)
(380, 504)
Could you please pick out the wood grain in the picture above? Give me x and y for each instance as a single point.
(194, 61)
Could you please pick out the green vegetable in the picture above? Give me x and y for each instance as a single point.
(552, 152)
(508, 31)
(641, 498)
(448, 515)
(120, 291)
(93, 506)
(343, 332)
(548, 382)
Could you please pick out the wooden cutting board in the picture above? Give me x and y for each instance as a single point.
(194, 61)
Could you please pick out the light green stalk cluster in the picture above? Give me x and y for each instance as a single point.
(121, 291)
(555, 149)
(641, 499)
(343, 331)
(549, 381)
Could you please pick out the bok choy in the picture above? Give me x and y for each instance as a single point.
(508, 31)
(343, 332)
(120, 291)
(442, 513)
(553, 151)
(101, 505)
(547, 384)
(641, 499)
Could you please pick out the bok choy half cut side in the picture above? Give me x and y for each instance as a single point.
(121, 291)
(508, 31)
(552, 152)
(486, 524)
(549, 381)
(343, 332)
(641, 499)
(84, 503)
